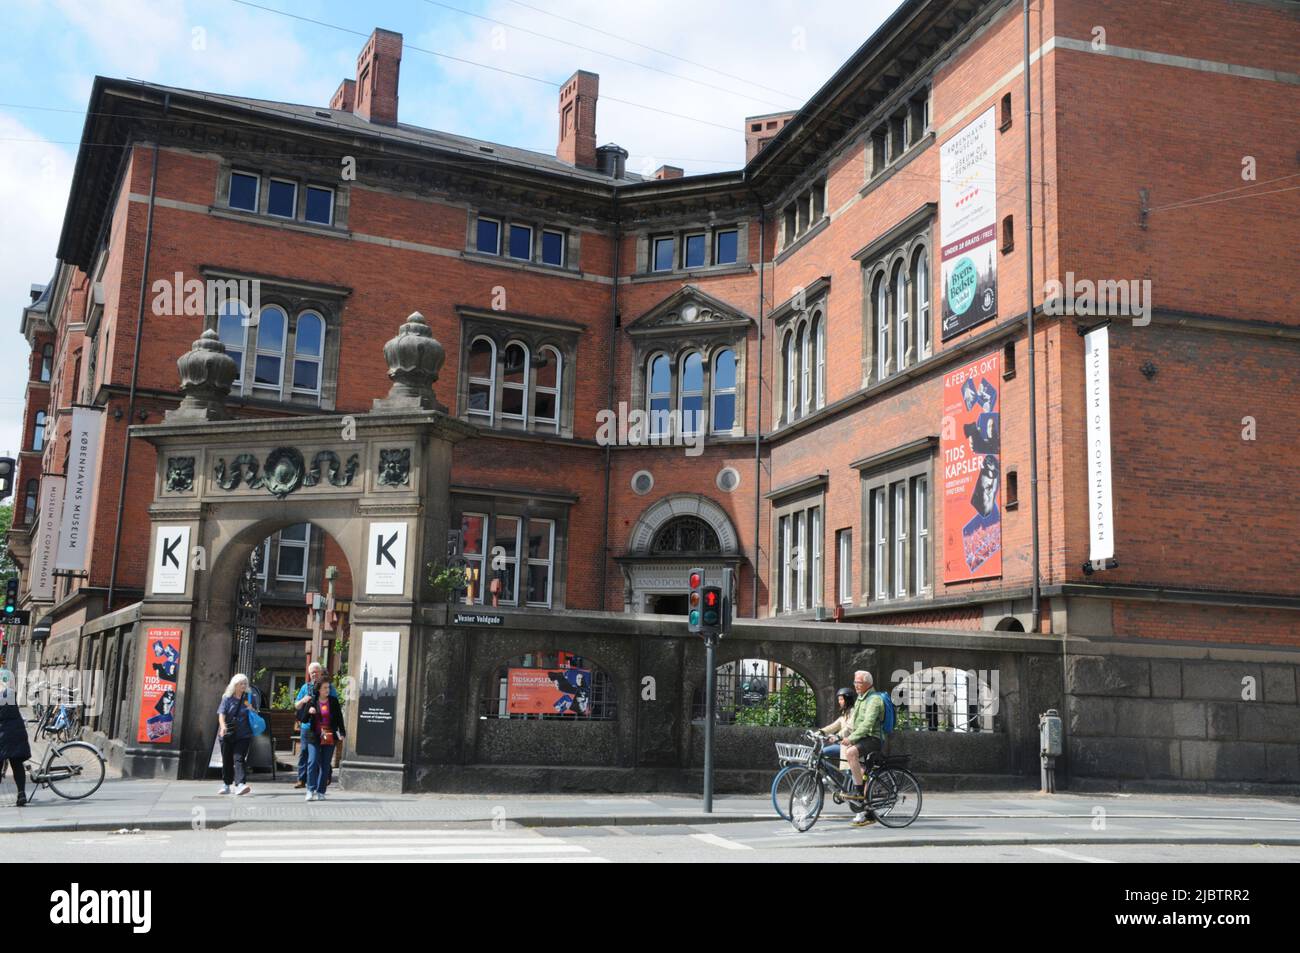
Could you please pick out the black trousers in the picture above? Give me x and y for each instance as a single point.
(20, 773)
(234, 751)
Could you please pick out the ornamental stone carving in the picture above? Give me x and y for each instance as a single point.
(395, 467)
(207, 372)
(180, 474)
(415, 359)
(285, 471)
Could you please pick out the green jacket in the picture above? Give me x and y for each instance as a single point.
(868, 718)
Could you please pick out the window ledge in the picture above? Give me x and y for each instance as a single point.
(518, 264)
(914, 150)
(712, 271)
(293, 225)
(812, 232)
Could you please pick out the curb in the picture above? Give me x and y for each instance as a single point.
(1206, 841)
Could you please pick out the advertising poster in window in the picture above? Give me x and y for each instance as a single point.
(161, 668)
(377, 700)
(540, 691)
(968, 226)
(971, 442)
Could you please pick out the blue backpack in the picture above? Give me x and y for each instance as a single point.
(891, 714)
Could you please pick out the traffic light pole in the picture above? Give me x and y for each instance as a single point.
(710, 715)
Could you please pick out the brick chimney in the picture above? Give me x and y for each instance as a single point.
(577, 144)
(669, 172)
(377, 72)
(345, 97)
(760, 130)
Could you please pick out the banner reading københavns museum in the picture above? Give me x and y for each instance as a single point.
(968, 226)
(971, 443)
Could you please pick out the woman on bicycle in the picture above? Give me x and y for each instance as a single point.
(14, 746)
(840, 727)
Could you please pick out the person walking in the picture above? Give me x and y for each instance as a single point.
(314, 671)
(323, 716)
(235, 734)
(14, 746)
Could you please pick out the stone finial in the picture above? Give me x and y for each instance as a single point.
(207, 372)
(414, 360)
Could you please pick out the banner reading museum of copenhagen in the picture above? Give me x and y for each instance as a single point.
(83, 463)
(1101, 516)
(968, 226)
(971, 446)
(46, 544)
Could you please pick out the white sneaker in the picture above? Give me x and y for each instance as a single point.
(320, 796)
(225, 789)
(243, 789)
(311, 796)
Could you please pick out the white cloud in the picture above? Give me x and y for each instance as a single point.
(34, 179)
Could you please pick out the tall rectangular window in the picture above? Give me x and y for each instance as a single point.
(506, 536)
(320, 205)
(844, 567)
(489, 236)
(900, 538)
(663, 254)
(880, 551)
(815, 548)
(521, 242)
(291, 562)
(472, 526)
(541, 556)
(800, 553)
(243, 191)
(783, 562)
(693, 247)
(553, 248)
(921, 520)
(726, 246)
(282, 198)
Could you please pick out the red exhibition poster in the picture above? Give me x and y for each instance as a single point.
(162, 666)
(971, 443)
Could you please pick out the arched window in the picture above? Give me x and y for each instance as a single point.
(805, 371)
(47, 362)
(546, 390)
(232, 329)
(308, 352)
(760, 692)
(945, 698)
(791, 378)
(514, 381)
(482, 377)
(900, 316)
(575, 689)
(29, 502)
(724, 391)
(268, 369)
(691, 397)
(659, 393)
(38, 431)
(921, 282)
(819, 356)
(882, 327)
(685, 534)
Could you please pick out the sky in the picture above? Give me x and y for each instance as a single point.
(677, 80)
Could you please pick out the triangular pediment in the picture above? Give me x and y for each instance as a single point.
(688, 309)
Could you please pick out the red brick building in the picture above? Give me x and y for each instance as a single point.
(802, 302)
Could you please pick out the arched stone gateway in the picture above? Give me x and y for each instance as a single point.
(377, 483)
(673, 535)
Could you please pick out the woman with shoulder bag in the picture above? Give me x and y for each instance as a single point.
(236, 734)
(323, 719)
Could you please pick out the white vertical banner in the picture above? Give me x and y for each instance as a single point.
(1101, 516)
(47, 538)
(386, 565)
(171, 557)
(83, 464)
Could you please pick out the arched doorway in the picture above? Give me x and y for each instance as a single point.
(673, 535)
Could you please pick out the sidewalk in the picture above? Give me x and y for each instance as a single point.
(1013, 817)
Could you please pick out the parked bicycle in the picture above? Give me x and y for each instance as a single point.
(73, 770)
(893, 794)
(796, 761)
(60, 719)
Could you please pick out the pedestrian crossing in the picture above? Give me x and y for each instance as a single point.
(430, 845)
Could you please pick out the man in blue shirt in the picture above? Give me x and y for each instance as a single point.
(314, 675)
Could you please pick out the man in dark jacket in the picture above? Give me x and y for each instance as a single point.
(14, 746)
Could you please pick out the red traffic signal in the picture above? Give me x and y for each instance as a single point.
(696, 580)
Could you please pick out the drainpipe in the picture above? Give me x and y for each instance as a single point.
(135, 367)
(758, 417)
(609, 399)
(1029, 321)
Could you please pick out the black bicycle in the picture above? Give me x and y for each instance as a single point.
(893, 794)
(74, 770)
(796, 761)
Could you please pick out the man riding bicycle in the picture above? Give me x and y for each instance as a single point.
(865, 737)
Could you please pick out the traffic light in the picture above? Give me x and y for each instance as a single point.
(694, 602)
(11, 599)
(6, 477)
(711, 620)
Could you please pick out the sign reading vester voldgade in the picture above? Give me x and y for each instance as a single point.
(386, 564)
(171, 552)
(478, 618)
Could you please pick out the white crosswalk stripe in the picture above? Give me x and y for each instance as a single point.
(431, 845)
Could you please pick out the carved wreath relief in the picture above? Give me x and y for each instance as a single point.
(284, 471)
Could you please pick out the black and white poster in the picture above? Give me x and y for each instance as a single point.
(171, 553)
(377, 706)
(968, 220)
(386, 570)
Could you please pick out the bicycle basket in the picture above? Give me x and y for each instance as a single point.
(788, 753)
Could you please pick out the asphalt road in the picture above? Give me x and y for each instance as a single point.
(761, 841)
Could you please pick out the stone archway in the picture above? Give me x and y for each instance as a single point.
(377, 483)
(650, 575)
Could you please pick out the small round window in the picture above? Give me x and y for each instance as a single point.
(728, 479)
(642, 482)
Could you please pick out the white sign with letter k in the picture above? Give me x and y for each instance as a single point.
(386, 566)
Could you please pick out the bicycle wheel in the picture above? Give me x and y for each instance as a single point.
(894, 796)
(783, 786)
(75, 770)
(806, 801)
